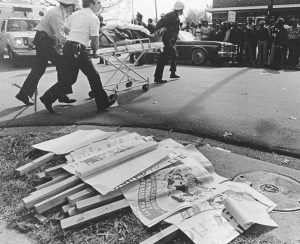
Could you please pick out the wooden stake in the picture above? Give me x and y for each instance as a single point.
(65, 208)
(50, 191)
(93, 214)
(72, 211)
(57, 179)
(155, 238)
(86, 193)
(35, 163)
(97, 201)
(55, 170)
(57, 199)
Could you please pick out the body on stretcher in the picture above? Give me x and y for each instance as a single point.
(114, 56)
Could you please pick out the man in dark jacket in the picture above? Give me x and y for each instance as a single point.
(263, 37)
(168, 27)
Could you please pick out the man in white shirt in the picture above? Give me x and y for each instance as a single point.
(49, 37)
(83, 29)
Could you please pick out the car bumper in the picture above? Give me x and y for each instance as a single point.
(25, 53)
(226, 54)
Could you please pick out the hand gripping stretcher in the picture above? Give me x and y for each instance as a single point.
(110, 54)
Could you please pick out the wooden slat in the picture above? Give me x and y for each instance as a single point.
(35, 163)
(55, 170)
(57, 179)
(155, 238)
(97, 201)
(93, 214)
(72, 211)
(50, 191)
(86, 193)
(41, 175)
(60, 174)
(65, 208)
(57, 199)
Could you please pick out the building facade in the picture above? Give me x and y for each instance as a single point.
(256, 9)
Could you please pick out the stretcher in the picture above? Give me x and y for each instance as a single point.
(114, 56)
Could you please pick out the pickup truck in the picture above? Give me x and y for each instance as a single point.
(16, 39)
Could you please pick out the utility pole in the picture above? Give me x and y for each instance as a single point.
(270, 8)
(155, 11)
(132, 21)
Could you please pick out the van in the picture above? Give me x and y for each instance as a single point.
(17, 23)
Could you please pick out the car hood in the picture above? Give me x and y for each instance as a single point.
(29, 34)
(205, 43)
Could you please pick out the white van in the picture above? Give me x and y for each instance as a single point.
(17, 23)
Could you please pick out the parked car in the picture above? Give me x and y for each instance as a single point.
(190, 49)
(16, 38)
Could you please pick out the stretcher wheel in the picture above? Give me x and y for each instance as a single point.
(145, 87)
(129, 84)
(91, 94)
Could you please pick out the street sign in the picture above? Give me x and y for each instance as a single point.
(231, 16)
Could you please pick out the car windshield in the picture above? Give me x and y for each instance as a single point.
(21, 24)
(186, 36)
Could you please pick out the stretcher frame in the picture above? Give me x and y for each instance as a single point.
(141, 46)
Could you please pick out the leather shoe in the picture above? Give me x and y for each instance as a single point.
(111, 100)
(24, 98)
(160, 81)
(66, 99)
(47, 104)
(174, 76)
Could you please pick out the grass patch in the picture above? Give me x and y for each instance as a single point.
(122, 227)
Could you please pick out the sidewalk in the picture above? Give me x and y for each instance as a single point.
(226, 164)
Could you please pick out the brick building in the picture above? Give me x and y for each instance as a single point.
(256, 9)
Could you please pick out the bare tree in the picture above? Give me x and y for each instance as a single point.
(195, 16)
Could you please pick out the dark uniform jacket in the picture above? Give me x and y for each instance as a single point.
(171, 22)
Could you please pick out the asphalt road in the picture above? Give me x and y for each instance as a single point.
(250, 106)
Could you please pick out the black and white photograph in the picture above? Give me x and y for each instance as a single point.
(150, 121)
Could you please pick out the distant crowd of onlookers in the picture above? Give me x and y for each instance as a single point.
(275, 44)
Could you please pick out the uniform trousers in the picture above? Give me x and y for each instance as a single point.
(169, 53)
(46, 50)
(77, 58)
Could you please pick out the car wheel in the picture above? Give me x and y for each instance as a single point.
(199, 57)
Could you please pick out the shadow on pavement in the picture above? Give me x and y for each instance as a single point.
(9, 111)
(75, 114)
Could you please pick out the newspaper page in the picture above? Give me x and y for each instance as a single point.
(157, 196)
(248, 211)
(72, 141)
(106, 180)
(90, 154)
(192, 151)
(95, 147)
(207, 221)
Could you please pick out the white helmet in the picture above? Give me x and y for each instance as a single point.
(178, 6)
(68, 2)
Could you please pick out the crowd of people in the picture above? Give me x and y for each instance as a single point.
(275, 44)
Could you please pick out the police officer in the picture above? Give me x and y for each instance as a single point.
(48, 39)
(168, 27)
(83, 29)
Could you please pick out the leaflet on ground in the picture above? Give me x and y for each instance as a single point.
(161, 194)
(208, 221)
(73, 141)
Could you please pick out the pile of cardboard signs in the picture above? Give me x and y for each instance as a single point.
(159, 181)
